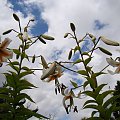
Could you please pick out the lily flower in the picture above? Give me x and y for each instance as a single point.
(53, 72)
(4, 53)
(69, 95)
(114, 64)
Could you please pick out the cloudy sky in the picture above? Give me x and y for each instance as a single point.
(99, 17)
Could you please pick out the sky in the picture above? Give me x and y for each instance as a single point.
(52, 17)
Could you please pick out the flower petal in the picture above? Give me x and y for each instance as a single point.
(5, 43)
(112, 62)
(111, 72)
(49, 71)
(117, 71)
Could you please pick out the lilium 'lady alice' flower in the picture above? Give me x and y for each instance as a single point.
(53, 72)
(114, 64)
(69, 95)
(4, 53)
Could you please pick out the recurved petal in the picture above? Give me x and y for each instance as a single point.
(49, 71)
(112, 62)
(5, 43)
(111, 72)
(117, 71)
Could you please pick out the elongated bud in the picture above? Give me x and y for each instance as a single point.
(72, 27)
(47, 37)
(109, 42)
(8, 31)
(16, 17)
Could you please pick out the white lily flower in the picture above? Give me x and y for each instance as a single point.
(114, 64)
(4, 53)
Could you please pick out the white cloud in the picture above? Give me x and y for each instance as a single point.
(58, 14)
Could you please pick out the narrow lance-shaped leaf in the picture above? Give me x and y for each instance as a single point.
(16, 17)
(109, 42)
(39, 38)
(33, 59)
(74, 84)
(70, 54)
(105, 51)
(72, 27)
(47, 37)
(6, 32)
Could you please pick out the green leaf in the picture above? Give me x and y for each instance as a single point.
(47, 37)
(87, 60)
(82, 72)
(26, 111)
(22, 96)
(70, 54)
(23, 74)
(89, 101)
(8, 31)
(14, 63)
(41, 40)
(72, 26)
(26, 83)
(77, 61)
(16, 17)
(6, 97)
(90, 93)
(74, 84)
(85, 53)
(85, 84)
(4, 90)
(99, 88)
(110, 100)
(14, 67)
(33, 59)
(92, 81)
(25, 68)
(99, 108)
(16, 51)
(76, 48)
(105, 51)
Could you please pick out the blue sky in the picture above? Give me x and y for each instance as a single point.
(98, 17)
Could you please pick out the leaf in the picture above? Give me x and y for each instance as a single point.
(110, 100)
(99, 108)
(77, 61)
(76, 48)
(72, 26)
(39, 38)
(93, 113)
(25, 68)
(87, 60)
(23, 74)
(85, 84)
(90, 93)
(6, 97)
(47, 37)
(82, 72)
(8, 31)
(85, 53)
(14, 63)
(70, 54)
(74, 84)
(22, 96)
(105, 51)
(92, 81)
(99, 88)
(89, 101)
(16, 17)
(26, 111)
(109, 42)
(16, 51)
(33, 59)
